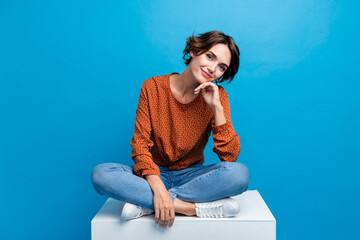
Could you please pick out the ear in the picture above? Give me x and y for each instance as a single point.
(191, 53)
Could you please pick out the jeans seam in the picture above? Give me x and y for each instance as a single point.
(171, 179)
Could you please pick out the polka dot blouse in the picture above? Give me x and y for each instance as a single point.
(173, 134)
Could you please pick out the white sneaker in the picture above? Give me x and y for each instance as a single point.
(131, 211)
(226, 207)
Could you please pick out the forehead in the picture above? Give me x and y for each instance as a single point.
(222, 53)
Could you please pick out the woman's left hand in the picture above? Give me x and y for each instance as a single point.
(210, 92)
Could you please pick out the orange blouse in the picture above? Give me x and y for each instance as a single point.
(173, 134)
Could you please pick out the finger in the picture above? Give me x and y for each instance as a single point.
(172, 217)
(198, 91)
(162, 218)
(167, 213)
(198, 88)
(204, 86)
(209, 86)
(157, 213)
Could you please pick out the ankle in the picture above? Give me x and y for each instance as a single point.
(189, 211)
(186, 208)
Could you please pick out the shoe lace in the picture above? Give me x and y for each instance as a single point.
(210, 209)
(147, 211)
(143, 211)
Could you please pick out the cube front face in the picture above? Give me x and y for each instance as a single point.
(181, 231)
(254, 221)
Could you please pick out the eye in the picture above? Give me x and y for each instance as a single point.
(209, 56)
(222, 68)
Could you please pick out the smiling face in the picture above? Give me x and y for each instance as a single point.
(212, 64)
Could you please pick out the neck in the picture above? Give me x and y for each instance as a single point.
(185, 83)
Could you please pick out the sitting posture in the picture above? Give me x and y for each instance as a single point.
(175, 116)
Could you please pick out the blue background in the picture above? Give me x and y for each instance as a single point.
(70, 76)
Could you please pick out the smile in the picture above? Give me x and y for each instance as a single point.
(205, 74)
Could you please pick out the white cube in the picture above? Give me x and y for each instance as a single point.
(254, 222)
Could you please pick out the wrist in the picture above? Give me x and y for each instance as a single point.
(158, 188)
(219, 115)
(155, 183)
(217, 108)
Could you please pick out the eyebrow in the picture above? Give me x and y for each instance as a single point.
(216, 57)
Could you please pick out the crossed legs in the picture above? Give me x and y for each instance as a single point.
(196, 184)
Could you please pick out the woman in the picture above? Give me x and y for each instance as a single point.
(174, 119)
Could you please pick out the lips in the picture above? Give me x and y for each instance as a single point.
(205, 74)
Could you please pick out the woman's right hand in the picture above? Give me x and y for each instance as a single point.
(164, 209)
(163, 203)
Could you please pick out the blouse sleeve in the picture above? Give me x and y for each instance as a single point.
(141, 142)
(226, 141)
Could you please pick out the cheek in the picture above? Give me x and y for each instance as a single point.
(204, 60)
(219, 74)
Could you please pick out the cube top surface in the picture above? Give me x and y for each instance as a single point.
(252, 208)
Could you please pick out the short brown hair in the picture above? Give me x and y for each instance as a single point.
(207, 40)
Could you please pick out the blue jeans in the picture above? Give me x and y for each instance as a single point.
(198, 183)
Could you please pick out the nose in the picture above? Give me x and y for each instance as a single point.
(211, 68)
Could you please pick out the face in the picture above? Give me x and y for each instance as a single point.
(212, 64)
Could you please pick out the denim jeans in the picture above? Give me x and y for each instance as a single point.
(198, 183)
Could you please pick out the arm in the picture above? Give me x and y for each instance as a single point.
(144, 164)
(226, 141)
(141, 142)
